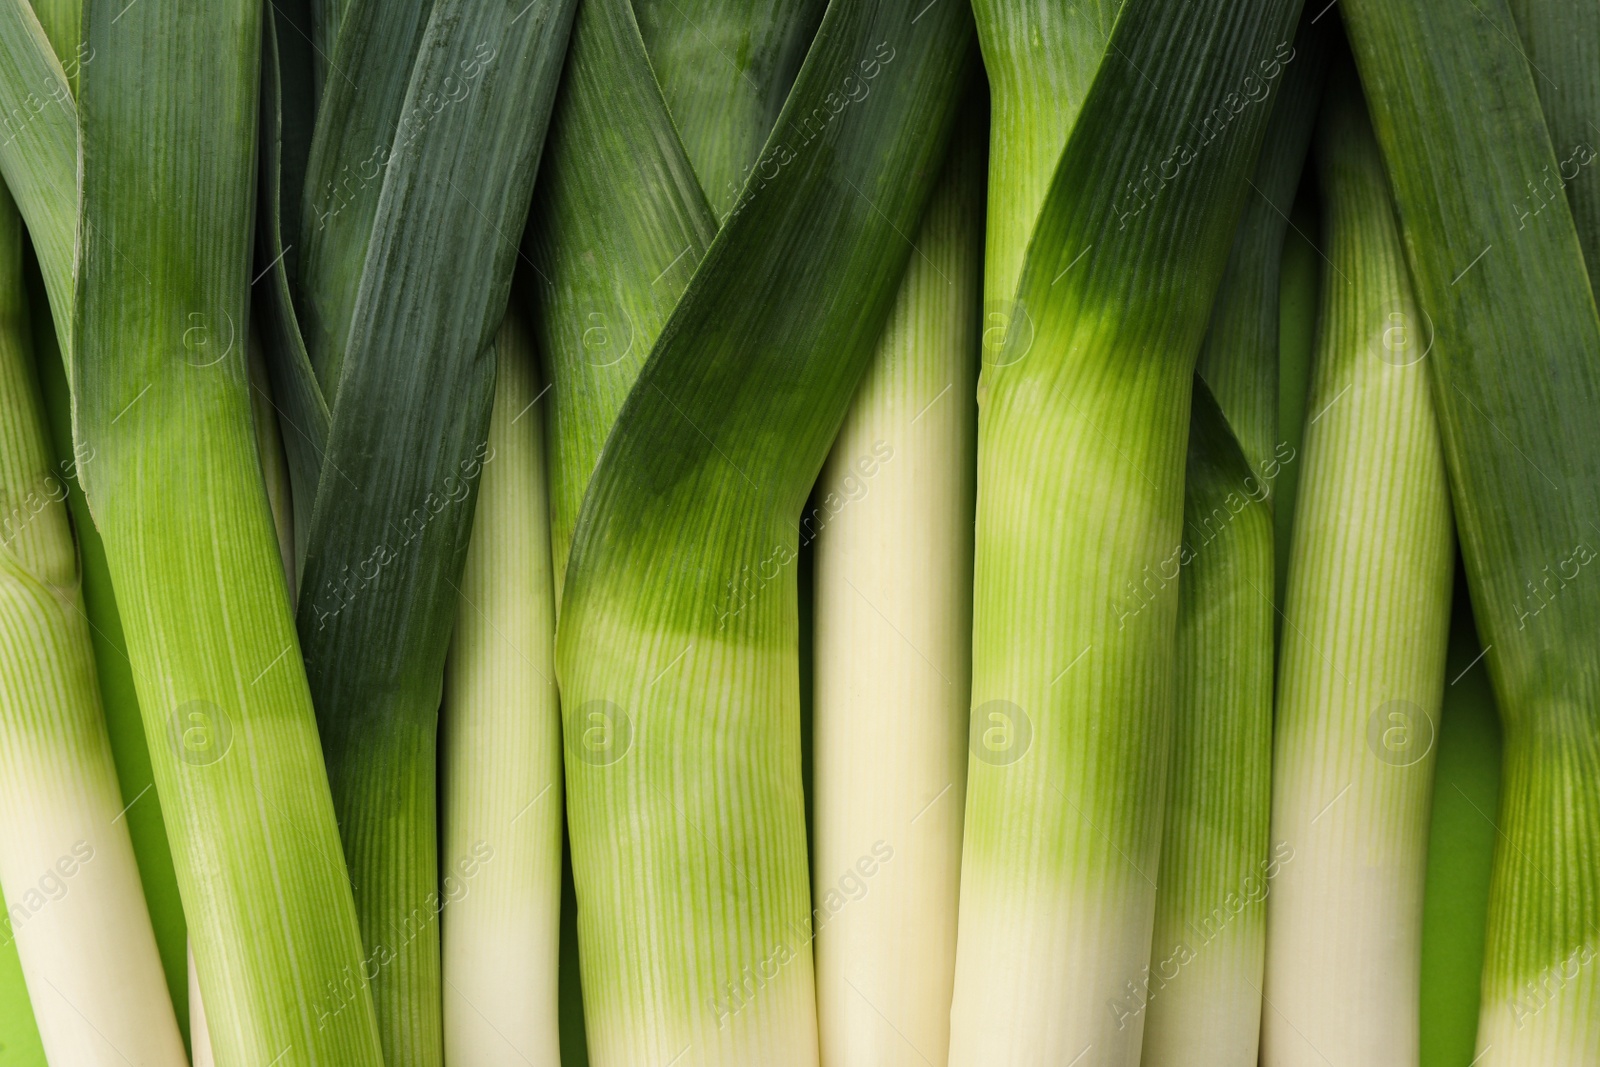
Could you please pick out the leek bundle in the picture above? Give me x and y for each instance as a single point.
(1367, 616)
(1082, 429)
(878, 524)
(1458, 116)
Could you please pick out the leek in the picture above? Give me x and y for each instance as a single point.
(1084, 408)
(501, 745)
(679, 672)
(124, 722)
(893, 529)
(1367, 617)
(1458, 116)
(1201, 996)
(76, 908)
(189, 535)
(416, 179)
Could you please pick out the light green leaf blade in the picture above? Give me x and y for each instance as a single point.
(1041, 57)
(725, 69)
(620, 226)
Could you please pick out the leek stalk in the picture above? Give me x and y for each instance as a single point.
(1083, 418)
(1202, 993)
(76, 908)
(893, 530)
(501, 745)
(1457, 114)
(1367, 616)
(189, 533)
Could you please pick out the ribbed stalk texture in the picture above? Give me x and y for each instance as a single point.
(1367, 617)
(893, 650)
(1561, 41)
(501, 750)
(1041, 57)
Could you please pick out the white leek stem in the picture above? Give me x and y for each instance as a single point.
(1367, 616)
(501, 724)
(894, 655)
